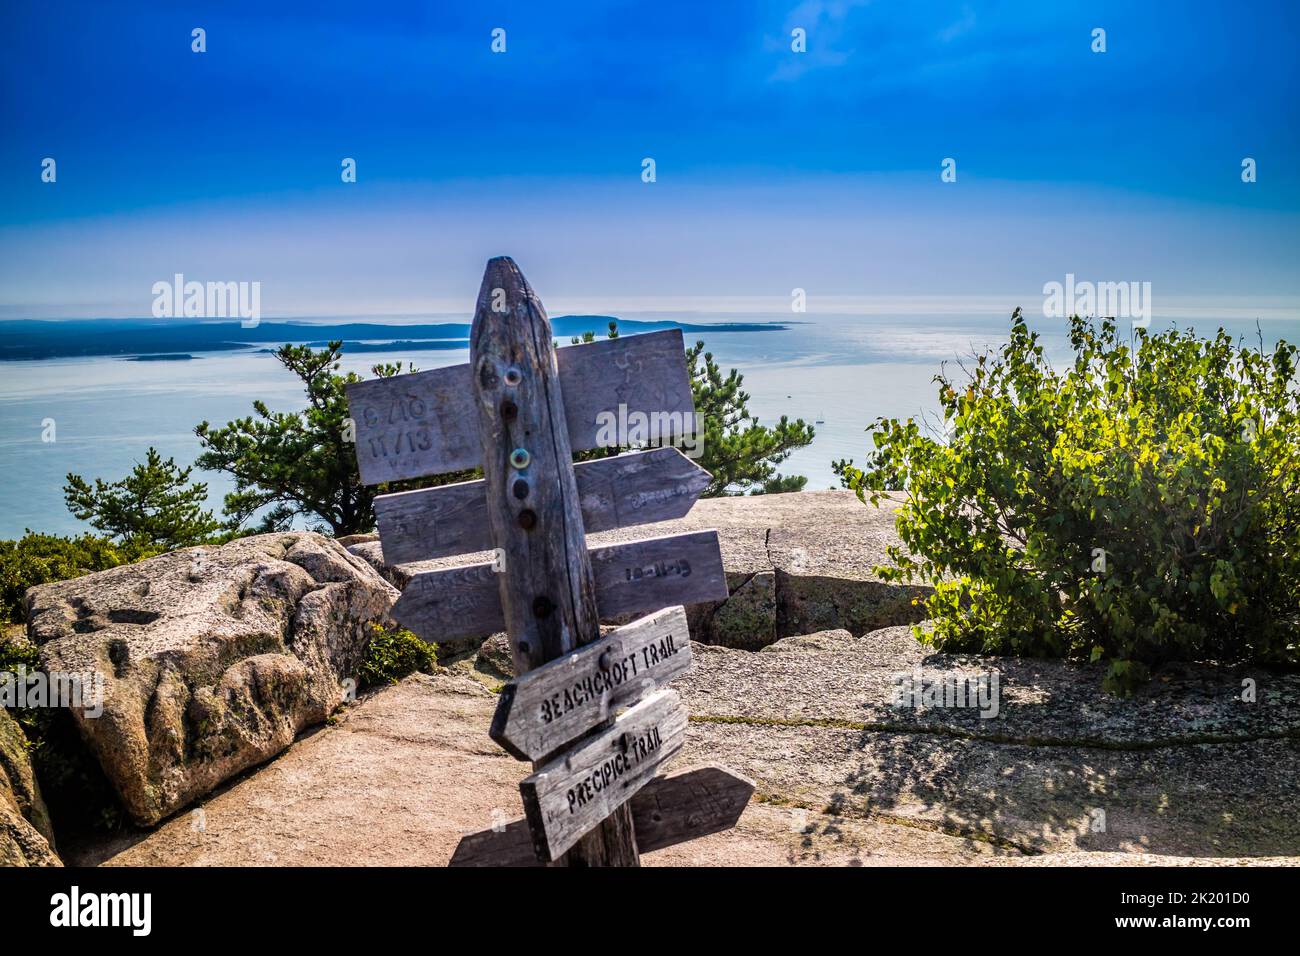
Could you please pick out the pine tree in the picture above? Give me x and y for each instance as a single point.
(741, 454)
(153, 508)
(287, 464)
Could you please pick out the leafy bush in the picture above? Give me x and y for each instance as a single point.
(19, 655)
(392, 655)
(16, 651)
(41, 558)
(1142, 505)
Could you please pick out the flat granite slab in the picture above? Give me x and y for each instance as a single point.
(1179, 775)
(834, 677)
(406, 771)
(1184, 767)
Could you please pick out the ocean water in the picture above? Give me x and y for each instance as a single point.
(837, 370)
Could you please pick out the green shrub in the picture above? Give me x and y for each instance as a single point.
(41, 558)
(1141, 505)
(16, 651)
(392, 655)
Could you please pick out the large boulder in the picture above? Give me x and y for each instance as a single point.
(213, 659)
(25, 835)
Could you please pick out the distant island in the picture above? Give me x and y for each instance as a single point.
(401, 345)
(156, 340)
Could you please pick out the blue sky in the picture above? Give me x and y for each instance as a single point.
(775, 169)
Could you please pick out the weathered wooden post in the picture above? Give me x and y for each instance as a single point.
(547, 590)
(520, 409)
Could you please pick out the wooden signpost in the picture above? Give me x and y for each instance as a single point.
(520, 409)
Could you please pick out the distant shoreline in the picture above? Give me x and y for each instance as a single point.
(164, 340)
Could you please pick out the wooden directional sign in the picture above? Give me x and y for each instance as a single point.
(631, 489)
(630, 578)
(547, 592)
(427, 423)
(569, 796)
(667, 811)
(558, 702)
(520, 409)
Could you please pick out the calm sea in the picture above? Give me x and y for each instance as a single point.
(839, 371)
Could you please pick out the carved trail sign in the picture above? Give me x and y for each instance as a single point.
(519, 409)
(427, 423)
(568, 796)
(546, 708)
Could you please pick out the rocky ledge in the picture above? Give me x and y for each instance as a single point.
(26, 837)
